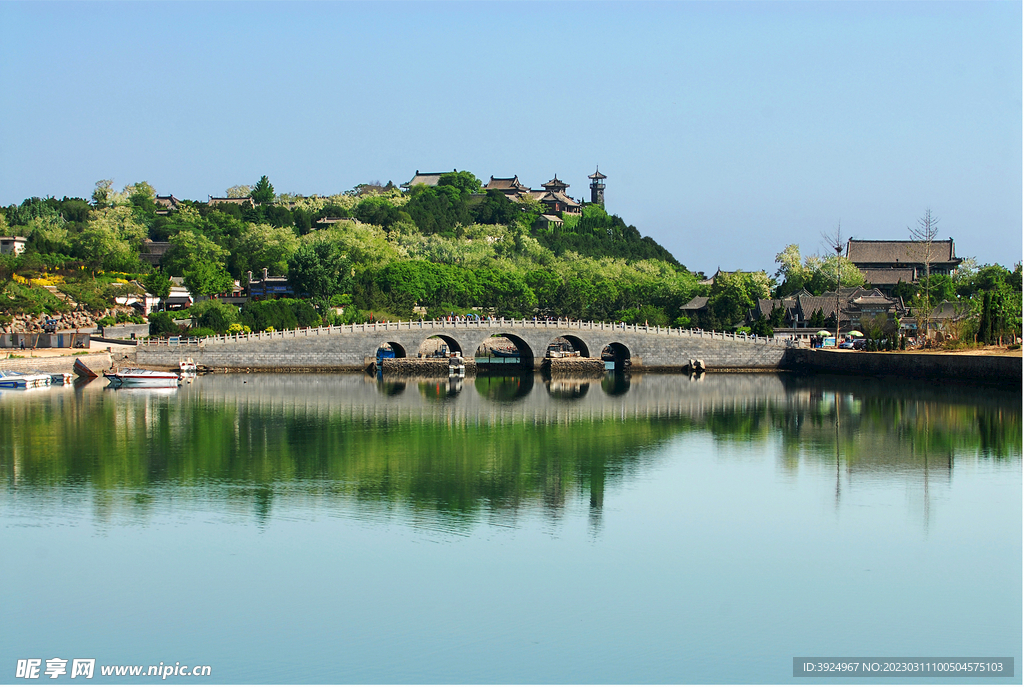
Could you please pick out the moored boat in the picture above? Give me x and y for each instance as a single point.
(57, 378)
(9, 379)
(187, 366)
(82, 370)
(142, 378)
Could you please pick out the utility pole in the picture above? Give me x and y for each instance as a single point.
(835, 242)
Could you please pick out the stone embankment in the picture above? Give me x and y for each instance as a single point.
(97, 362)
(1004, 371)
(427, 367)
(575, 367)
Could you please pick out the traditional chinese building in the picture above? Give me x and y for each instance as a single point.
(510, 186)
(554, 198)
(902, 255)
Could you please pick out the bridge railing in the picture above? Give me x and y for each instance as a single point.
(491, 323)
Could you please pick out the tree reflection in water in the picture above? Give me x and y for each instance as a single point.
(459, 449)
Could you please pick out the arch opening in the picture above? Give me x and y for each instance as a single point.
(438, 346)
(567, 346)
(501, 350)
(618, 354)
(389, 349)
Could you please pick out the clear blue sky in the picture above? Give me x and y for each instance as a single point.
(727, 130)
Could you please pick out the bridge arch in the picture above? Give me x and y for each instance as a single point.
(526, 354)
(397, 348)
(619, 353)
(578, 344)
(426, 350)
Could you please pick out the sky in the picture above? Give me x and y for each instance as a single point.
(727, 130)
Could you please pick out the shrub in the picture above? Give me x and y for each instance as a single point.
(161, 323)
(285, 313)
(201, 331)
(214, 315)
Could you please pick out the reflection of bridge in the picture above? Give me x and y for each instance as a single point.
(354, 346)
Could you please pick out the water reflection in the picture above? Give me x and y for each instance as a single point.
(457, 449)
(567, 389)
(615, 384)
(504, 388)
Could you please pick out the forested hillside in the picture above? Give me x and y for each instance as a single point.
(376, 250)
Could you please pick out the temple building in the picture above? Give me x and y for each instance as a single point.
(554, 199)
(510, 186)
(425, 178)
(886, 263)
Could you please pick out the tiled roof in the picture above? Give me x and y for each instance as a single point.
(505, 183)
(556, 183)
(555, 197)
(426, 178)
(899, 251)
(890, 276)
(696, 303)
(233, 201)
(811, 304)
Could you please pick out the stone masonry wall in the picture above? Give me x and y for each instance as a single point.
(1002, 371)
(330, 350)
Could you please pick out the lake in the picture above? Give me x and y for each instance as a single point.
(653, 529)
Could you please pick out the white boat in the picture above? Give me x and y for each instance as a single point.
(9, 379)
(142, 378)
(57, 378)
(456, 366)
(187, 366)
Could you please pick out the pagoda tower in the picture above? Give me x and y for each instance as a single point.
(597, 187)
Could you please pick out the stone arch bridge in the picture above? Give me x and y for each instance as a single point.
(353, 347)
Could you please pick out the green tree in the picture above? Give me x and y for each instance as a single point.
(101, 195)
(319, 270)
(465, 182)
(438, 209)
(262, 245)
(263, 191)
(761, 327)
(214, 315)
(158, 284)
(189, 249)
(48, 235)
(99, 246)
(207, 279)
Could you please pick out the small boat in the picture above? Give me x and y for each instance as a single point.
(187, 366)
(82, 370)
(142, 378)
(57, 378)
(9, 379)
(456, 366)
(499, 353)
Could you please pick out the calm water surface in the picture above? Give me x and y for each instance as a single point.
(336, 528)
